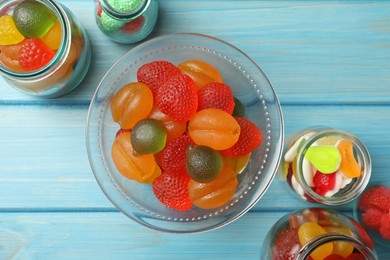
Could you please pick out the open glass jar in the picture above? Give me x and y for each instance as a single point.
(325, 165)
(47, 52)
(126, 21)
(316, 233)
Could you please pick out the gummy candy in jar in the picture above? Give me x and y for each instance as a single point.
(126, 21)
(325, 165)
(316, 233)
(44, 50)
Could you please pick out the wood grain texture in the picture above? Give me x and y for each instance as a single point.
(329, 62)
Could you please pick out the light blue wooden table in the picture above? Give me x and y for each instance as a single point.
(329, 62)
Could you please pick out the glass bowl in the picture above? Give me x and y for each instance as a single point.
(249, 85)
(357, 214)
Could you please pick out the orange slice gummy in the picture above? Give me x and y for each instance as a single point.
(9, 34)
(131, 103)
(341, 248)
(215, 193)
(139, 168)
(349, 166)
(215, 128)
(200, 72)
(53, 37)
(310, 230)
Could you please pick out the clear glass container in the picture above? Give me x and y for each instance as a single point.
(126, 21)
(316, 233)
(325, 165)
(65, 71)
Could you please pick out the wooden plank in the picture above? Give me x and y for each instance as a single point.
(313, 52)
(44, 165)
(112, 236)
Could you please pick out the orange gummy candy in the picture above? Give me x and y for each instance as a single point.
(174, 128)
(200, 72)
(53, 37)
(139, 168)
(310, 230)
(349, 166)
(215, 128)
(9, 56)
(131, 103)
(215, 193)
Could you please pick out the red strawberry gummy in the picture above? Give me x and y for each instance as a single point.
(173, 156)
(178, 98)
(323, 182)
(372, 218)
(134, 25)
(384, 228)
(172, 190)
(156, 73)
(216, 95)
(250, 138)
(286, 245)
(334, 257)
(34, 54)
(378, 197)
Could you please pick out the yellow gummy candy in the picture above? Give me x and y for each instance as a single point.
(9, 34)
(310, 230)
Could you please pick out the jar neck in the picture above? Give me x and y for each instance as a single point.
(352, 190)
(116, 14)
(309, 247)
(61, 54)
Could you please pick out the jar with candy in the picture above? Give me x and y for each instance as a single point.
(44, 50)
(126, 21)
(317, 234)
(325, 165)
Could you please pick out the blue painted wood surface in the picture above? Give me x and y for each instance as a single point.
(329, 62)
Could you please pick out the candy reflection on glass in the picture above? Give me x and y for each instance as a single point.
(203, 147)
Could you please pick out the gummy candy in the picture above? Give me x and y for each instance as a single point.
(138, 168)
(131, 103)
(33, 18)
(216, 95)
(309, 230)
(326, 159)
(239, 108)
(173, 156)
(124, 6)
(148, 136)
(203, 163)
(384, 228)
(200, 72)
(323, 182)
(250, 138)
(9, 34)
(53, 37)
(286, 245)
(110, 24)
(349, 166)
(156, 73)
(134, 25)
(341, 248)
(214, 128)
(171, 189)
(178, 98)
(9, 56)
(237, 164)
(34, 54)
(215, 193)
(372, 218)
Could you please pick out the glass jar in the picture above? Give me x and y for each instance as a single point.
(316, 233)
(69, 65)
(325, 165)
(126, 21)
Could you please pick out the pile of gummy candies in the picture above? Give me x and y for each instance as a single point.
(29, 36)
(183, 131)
(328, 166)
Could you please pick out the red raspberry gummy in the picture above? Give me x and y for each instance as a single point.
(378, 197)
(323, 182)
(372, 218)
(178, 98)
(156, 73)
(173, 156)
(216, 95)
(134, 25)
(250, 138)
(384, 228)
(286, 245)
(34, 54)
(172, 190)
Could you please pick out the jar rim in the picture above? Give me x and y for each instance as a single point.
(138, 11)
(61, 53)
(310, 246)
(362, 151)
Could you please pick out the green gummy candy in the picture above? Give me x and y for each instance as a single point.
(124, 6)
(325, 159)
(110, 24)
